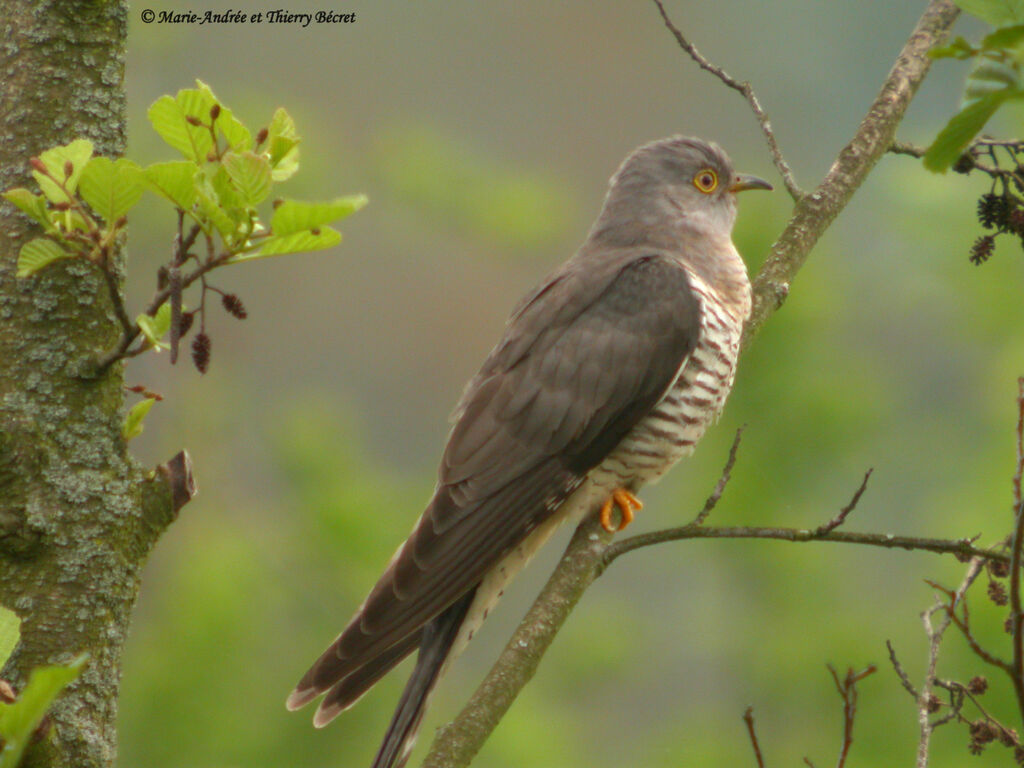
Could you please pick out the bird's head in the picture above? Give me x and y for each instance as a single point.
(677, 183)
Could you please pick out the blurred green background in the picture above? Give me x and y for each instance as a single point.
(484, 133)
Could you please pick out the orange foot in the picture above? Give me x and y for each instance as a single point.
(626, 502)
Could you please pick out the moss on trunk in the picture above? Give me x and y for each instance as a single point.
(73, 523)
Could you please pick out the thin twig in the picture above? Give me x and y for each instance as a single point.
(934, 635)
(748, 718)
(905, 148)
(840, 518)
(748, 93)
(723, 481)
(900, 672)
(114, 291)
(962, 548)
(956, 704)
(978, 147)
(1016, 612)
(964, 625)
(814, 212)
(1020, 444)
(848, 693)
(120, 350)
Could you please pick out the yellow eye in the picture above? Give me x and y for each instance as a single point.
(706, 181)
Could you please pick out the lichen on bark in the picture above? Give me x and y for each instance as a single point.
(75, 510)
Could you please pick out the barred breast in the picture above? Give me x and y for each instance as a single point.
(668, 433)
(695, 400)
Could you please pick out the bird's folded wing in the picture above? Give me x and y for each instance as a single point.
(581, 363)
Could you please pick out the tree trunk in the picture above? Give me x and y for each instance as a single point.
(77, 515)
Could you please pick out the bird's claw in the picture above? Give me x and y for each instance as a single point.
(626, 502)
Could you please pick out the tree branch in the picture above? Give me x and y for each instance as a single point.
(456, 744)
(130, 334)
(813, 213)
(935, 634)
(748, 93)
(1016, 612)
(748, 718)
(962, 548)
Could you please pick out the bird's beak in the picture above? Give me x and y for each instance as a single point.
(744, 181)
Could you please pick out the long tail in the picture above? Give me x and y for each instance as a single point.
(435, 646)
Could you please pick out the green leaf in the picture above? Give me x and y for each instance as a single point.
(963, 127)
(237, 135)
(156, 327)
(210, 197)
(36, 254)
(10, 633)
(1002, 39)
(958, 49)
(992, 73)
(55, 160)
(18, 721)
(169, 117)
(294, 243)
(282, 145)
(111, 188)
(132, 426)
(32, 205)
(294, 216)
(174, 181)
(998, 13)
(250, 174)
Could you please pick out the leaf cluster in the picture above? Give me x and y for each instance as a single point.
(225, 175)
(996, 78)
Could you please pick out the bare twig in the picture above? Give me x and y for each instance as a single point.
(748, 93)
(723, 481)
(979, 147)
(905, 148)
(900, 672)
(934, 634)
(748, 718)
(121, 349)
(847, 688)
(962, 548)
(814, 213)
(840, 518)
(114, 291)
(958, 600)
(1016, 613)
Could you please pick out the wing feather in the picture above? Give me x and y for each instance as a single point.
(582, 361)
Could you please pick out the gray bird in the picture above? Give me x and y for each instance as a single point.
(607, 374)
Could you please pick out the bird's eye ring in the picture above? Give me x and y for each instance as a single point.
(706, 181)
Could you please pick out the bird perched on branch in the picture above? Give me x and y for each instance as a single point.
(607, 374)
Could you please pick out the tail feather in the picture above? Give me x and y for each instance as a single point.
(435, 647)
(351, 688)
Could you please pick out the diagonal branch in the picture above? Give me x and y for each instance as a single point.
(457, 743)
(814, 213)
(747, 91)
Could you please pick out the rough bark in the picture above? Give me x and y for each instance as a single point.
(77, 516)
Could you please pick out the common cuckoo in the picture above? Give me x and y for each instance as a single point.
(607, 373)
